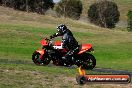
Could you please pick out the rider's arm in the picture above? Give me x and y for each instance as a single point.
(64, 41)
(54, 35)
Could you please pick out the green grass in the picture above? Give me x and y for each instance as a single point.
(117, 56)
(20, 40)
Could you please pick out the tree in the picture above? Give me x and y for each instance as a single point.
(104, 13)
(69, 8)
(39, 6)
(129, 15)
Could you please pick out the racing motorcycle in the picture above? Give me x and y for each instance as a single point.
(52, 51)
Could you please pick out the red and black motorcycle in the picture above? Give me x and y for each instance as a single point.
(52, 51)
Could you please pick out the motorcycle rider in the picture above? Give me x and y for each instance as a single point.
(68, 41)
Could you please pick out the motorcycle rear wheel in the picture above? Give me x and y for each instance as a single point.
(38, 60)
(88, 62)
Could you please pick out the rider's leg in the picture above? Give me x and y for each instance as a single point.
(70, 53)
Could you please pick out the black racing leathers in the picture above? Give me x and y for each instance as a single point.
(69, 43)
(68, 40)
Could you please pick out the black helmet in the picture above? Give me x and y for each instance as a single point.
(62, 29)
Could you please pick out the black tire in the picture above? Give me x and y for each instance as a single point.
(36, 59)
(89, 61)
(81, 80)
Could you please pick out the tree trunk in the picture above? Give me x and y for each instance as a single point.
(27, 6)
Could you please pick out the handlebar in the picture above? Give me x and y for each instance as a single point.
(49, 41)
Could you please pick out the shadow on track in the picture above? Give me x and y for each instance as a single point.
(7, 61)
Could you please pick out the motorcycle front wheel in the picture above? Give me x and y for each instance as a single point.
(40, 60)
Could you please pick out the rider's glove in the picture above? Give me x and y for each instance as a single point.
(51, 37)
(54, 35)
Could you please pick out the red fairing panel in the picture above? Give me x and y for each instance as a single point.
(43, 42)
(41, 52)
(85, 47)
(57, 43)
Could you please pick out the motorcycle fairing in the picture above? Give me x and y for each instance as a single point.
(85, 47)
(57, 43)
(43, 42)
(41, 52)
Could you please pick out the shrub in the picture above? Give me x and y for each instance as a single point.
(69, 8)
(39, 6)
(104, 13)
(129, 15)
